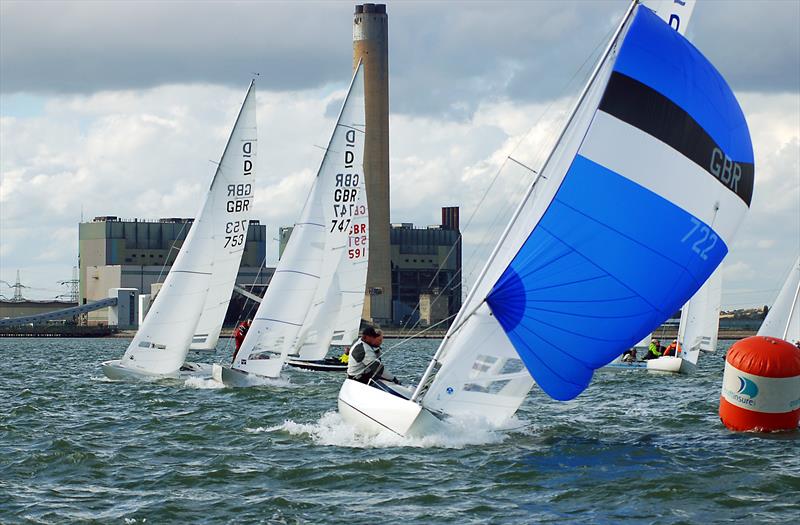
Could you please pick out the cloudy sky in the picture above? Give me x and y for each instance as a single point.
(117, 108)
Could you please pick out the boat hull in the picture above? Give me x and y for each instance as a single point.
(233, 377)
(322, 365)
(670, 364)
(115, 370)
(372, 410)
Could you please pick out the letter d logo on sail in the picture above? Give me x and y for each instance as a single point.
(747, 387)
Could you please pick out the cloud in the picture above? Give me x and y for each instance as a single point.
(446, 58)
(131, 129)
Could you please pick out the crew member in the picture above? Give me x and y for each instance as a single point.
(629, 356)
(364, 362)
(672, 349)
(345, 357)
(654, 350)
(238, 335)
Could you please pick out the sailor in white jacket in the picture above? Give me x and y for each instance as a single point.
(365, 358)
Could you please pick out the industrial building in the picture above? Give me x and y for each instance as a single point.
(426, 271)
(116, 253)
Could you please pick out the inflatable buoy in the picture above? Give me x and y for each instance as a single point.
(761, 386)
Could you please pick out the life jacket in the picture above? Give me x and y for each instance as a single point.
(671, 350)
(361, 356)
(654, 349)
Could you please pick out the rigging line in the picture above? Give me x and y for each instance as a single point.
(249, 310)
(495, 177)
(396, 345)
(172, 246)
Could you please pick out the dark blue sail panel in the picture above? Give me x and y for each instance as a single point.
(607, 263)
(658, 56)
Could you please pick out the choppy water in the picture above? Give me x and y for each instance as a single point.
(634, 448)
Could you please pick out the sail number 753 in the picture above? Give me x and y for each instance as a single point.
(701, 237)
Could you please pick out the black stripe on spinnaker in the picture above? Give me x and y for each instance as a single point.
(648, 110)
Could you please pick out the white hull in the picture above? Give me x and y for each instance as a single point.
(372, 410)
(670, 364)
(114, 370)
(233, 377)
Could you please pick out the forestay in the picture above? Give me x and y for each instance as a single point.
(783, 319)
(305, 272)
(699, 325)
(231, 223)
(162, 342)
(609, 242)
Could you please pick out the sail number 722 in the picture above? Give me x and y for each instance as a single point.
(701, 237)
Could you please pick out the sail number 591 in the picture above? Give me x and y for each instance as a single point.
(701, 237)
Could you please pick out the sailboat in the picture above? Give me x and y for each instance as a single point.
(698, 329)
(605, 245)
(191, 305)
(783, 319)
(302, 304)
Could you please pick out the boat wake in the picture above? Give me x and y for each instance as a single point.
(203, 383)
(332, 430)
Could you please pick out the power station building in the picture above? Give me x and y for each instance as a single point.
(116, 253)
(426, 271)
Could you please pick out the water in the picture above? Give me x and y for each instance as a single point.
(634, 448)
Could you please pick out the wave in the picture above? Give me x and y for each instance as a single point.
(332, 430)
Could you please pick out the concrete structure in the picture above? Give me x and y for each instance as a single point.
(136, 254)
(28, 307)
(426, 271)
(371, 46)
(124, 314)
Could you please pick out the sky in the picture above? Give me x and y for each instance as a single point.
(121, 108)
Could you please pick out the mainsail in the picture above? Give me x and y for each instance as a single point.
(214, 242)
(699, 325)
(236, 171)
(335, 314)
(608, 242)
(783, 319)
(305, 272)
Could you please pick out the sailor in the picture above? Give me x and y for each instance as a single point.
(654, 350)
(629, 356)
(364, 362)
(345, 357)
(238, 335)
(672, 349)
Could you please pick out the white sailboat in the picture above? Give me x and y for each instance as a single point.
(193, 299)
(698, 329)
(605, 245)
(303, 299)
(783, 319)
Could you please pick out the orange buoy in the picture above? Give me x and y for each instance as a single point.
(761, 386)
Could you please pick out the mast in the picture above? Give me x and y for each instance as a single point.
(458, 320)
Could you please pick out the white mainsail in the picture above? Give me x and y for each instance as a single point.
(162, 342)
(699, 326)
(335, 315)
(676, 13)
(306, 270)
(236, 171)
(783, 319)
